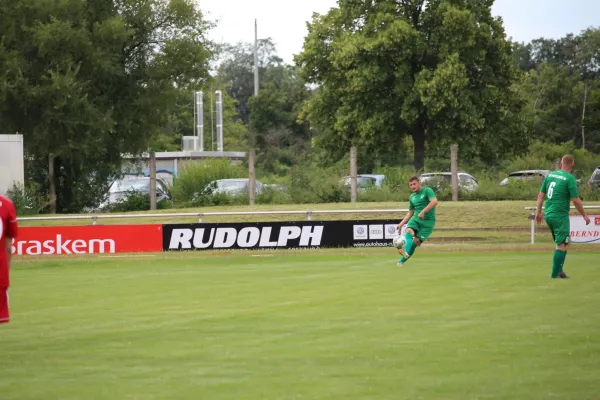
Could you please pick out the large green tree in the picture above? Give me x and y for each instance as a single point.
(440, 71)
(88, 80)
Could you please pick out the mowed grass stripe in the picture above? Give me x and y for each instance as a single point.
(310, 326)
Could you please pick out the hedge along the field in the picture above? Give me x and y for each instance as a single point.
(194, 178)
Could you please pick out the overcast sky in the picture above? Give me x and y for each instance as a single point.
(524, 20)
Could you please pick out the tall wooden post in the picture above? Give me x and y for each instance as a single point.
(152, 167)
(454, 170)
(353, 173)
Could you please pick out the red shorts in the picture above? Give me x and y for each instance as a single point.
(4, 314)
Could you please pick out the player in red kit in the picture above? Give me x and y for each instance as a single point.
(8, 231)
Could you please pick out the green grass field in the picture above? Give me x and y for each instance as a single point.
(317, 325)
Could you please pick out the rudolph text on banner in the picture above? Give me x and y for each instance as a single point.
(96, 239)
(582, 233)
(278, 235)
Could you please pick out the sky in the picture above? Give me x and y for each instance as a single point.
(524, 20)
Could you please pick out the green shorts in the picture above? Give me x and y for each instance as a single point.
(423, 229)
(560, 226)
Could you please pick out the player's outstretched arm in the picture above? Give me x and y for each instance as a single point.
(579, 206)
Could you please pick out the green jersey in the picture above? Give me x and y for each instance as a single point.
(419, 200)
(560, 187)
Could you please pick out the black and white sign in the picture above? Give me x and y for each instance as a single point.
(272, 235)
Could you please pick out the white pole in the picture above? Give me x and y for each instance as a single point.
(219, 121)
(200, 119)
(212, 126)
(255, 58)
(532, 218)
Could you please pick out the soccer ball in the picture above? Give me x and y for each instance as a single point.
(399, 241)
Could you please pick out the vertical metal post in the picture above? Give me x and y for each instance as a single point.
(212, 126)
(200, 120)
(255, 58)
(219, 120)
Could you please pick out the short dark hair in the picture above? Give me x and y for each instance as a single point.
(414, 178)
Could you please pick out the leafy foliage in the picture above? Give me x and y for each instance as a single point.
(438, 71)
(87, 81)
(195, 177)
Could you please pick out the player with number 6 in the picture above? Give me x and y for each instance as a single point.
(558, 190)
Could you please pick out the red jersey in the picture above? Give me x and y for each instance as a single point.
(8, 229)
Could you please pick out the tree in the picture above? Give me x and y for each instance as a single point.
(439, 71)
(560, 82)
(88, 80)
(236, 70)
(277, 131)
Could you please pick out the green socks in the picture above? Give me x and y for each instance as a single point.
(558, 262)
(409, 241)
(409, 247)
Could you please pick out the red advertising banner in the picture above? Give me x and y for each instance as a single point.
(90, 239)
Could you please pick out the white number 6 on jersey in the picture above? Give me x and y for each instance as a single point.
(551, 189)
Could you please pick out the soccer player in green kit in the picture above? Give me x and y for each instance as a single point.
(558, 190)
(422, 202)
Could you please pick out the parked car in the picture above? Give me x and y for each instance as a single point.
(527, 175)
(465, 181)
(233, 187)
(365, 181)
(165, 174)
(121, 189)
(595, 178)
(275, 187)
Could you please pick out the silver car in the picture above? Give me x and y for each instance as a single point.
(526, 175)
(121, 189)
(466, 181)
(232, 187)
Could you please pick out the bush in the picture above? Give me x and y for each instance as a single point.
(137, 201)
(490, 190)
(274, 196)
(190, 189)
(27, 199)
(544, 155)
(309, 184)
(589, 193)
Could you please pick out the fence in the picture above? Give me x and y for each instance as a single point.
(200, 216)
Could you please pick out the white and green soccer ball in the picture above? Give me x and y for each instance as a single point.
(399, 241)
